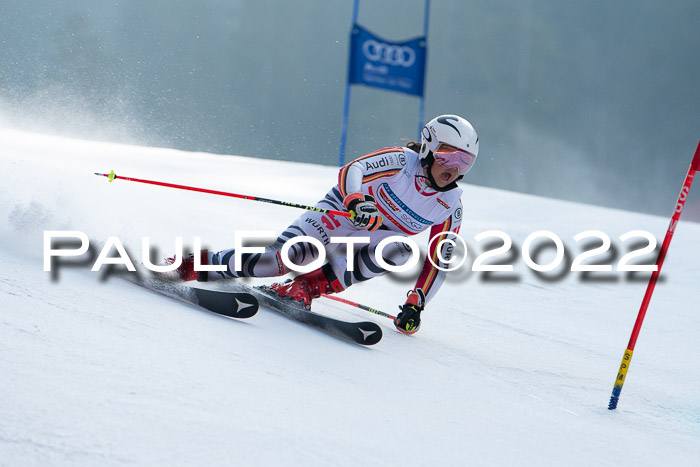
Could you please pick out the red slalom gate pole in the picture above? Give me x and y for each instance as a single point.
(680, 203)
(360, 306)
(112, 176)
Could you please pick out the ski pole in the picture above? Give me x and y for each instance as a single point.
(362, 307)
(627, 357)
(112, 176)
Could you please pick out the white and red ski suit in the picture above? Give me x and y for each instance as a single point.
(394, 177)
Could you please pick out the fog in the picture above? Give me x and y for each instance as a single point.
(591, 101)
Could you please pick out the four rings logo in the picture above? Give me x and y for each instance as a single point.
(388, 54)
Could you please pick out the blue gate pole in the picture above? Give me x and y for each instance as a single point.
(421, 111)
(346, 106)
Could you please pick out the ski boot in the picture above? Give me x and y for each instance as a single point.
(185, 272)
(308, 286)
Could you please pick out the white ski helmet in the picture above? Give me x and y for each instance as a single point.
(456, 135)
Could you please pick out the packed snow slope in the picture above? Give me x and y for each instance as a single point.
(508, 369)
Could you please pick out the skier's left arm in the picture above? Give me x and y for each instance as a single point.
(439, 253)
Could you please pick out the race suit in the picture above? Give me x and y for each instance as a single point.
(394, 178)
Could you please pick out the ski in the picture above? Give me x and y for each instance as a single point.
(240, 300)
(363, 333)
(233, 304)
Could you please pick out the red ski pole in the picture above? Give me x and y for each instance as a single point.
(360, 306)
(627, 357)
(112, 176)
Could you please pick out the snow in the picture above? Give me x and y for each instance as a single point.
(96, 371)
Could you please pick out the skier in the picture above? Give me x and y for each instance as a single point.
(393, 191)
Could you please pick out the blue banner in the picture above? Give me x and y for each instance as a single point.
(396, 66)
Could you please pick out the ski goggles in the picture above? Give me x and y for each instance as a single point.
(451, 157)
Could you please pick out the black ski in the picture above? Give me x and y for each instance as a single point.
(242, 301)
(363, 333)
(234, 304)
(231, 304)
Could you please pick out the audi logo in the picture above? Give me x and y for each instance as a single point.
(388, 54)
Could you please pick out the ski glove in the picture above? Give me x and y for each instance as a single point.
(408, 320)
(363, 211)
